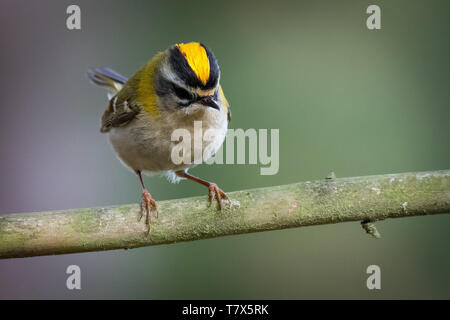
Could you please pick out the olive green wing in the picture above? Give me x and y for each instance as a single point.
(118, 114)
(119, 111)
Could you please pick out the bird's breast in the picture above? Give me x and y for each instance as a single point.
(147, 143)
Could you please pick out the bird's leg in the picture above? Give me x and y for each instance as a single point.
(147, 203)
(213, 190)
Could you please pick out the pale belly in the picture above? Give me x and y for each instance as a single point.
(145, 144)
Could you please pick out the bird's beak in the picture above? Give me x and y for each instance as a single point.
(209, 102)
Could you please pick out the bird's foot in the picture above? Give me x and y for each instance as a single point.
(215, 192)
(147, 205)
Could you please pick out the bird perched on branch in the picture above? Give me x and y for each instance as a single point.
(176, 88)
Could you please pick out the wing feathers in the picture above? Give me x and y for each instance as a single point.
(119, 112)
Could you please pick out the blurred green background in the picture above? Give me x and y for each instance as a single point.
(345, 98)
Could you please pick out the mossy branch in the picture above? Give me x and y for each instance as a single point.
(331, 200)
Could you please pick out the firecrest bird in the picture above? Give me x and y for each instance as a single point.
(177, 87)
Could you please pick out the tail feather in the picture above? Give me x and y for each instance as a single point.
(108, 79)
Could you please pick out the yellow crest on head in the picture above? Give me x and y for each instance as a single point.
(197, 59)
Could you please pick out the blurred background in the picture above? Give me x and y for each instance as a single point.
(345, 98)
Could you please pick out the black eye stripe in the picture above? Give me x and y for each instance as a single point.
(182, 93)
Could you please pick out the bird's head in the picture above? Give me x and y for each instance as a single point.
(188, 76)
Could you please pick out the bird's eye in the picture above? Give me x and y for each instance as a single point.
(182, 93)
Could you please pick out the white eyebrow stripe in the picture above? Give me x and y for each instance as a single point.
(169, 75)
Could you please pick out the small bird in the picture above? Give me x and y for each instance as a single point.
(177, 87)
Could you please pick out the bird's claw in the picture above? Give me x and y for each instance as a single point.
(215, 192)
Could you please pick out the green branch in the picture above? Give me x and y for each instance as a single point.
(365, 199)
